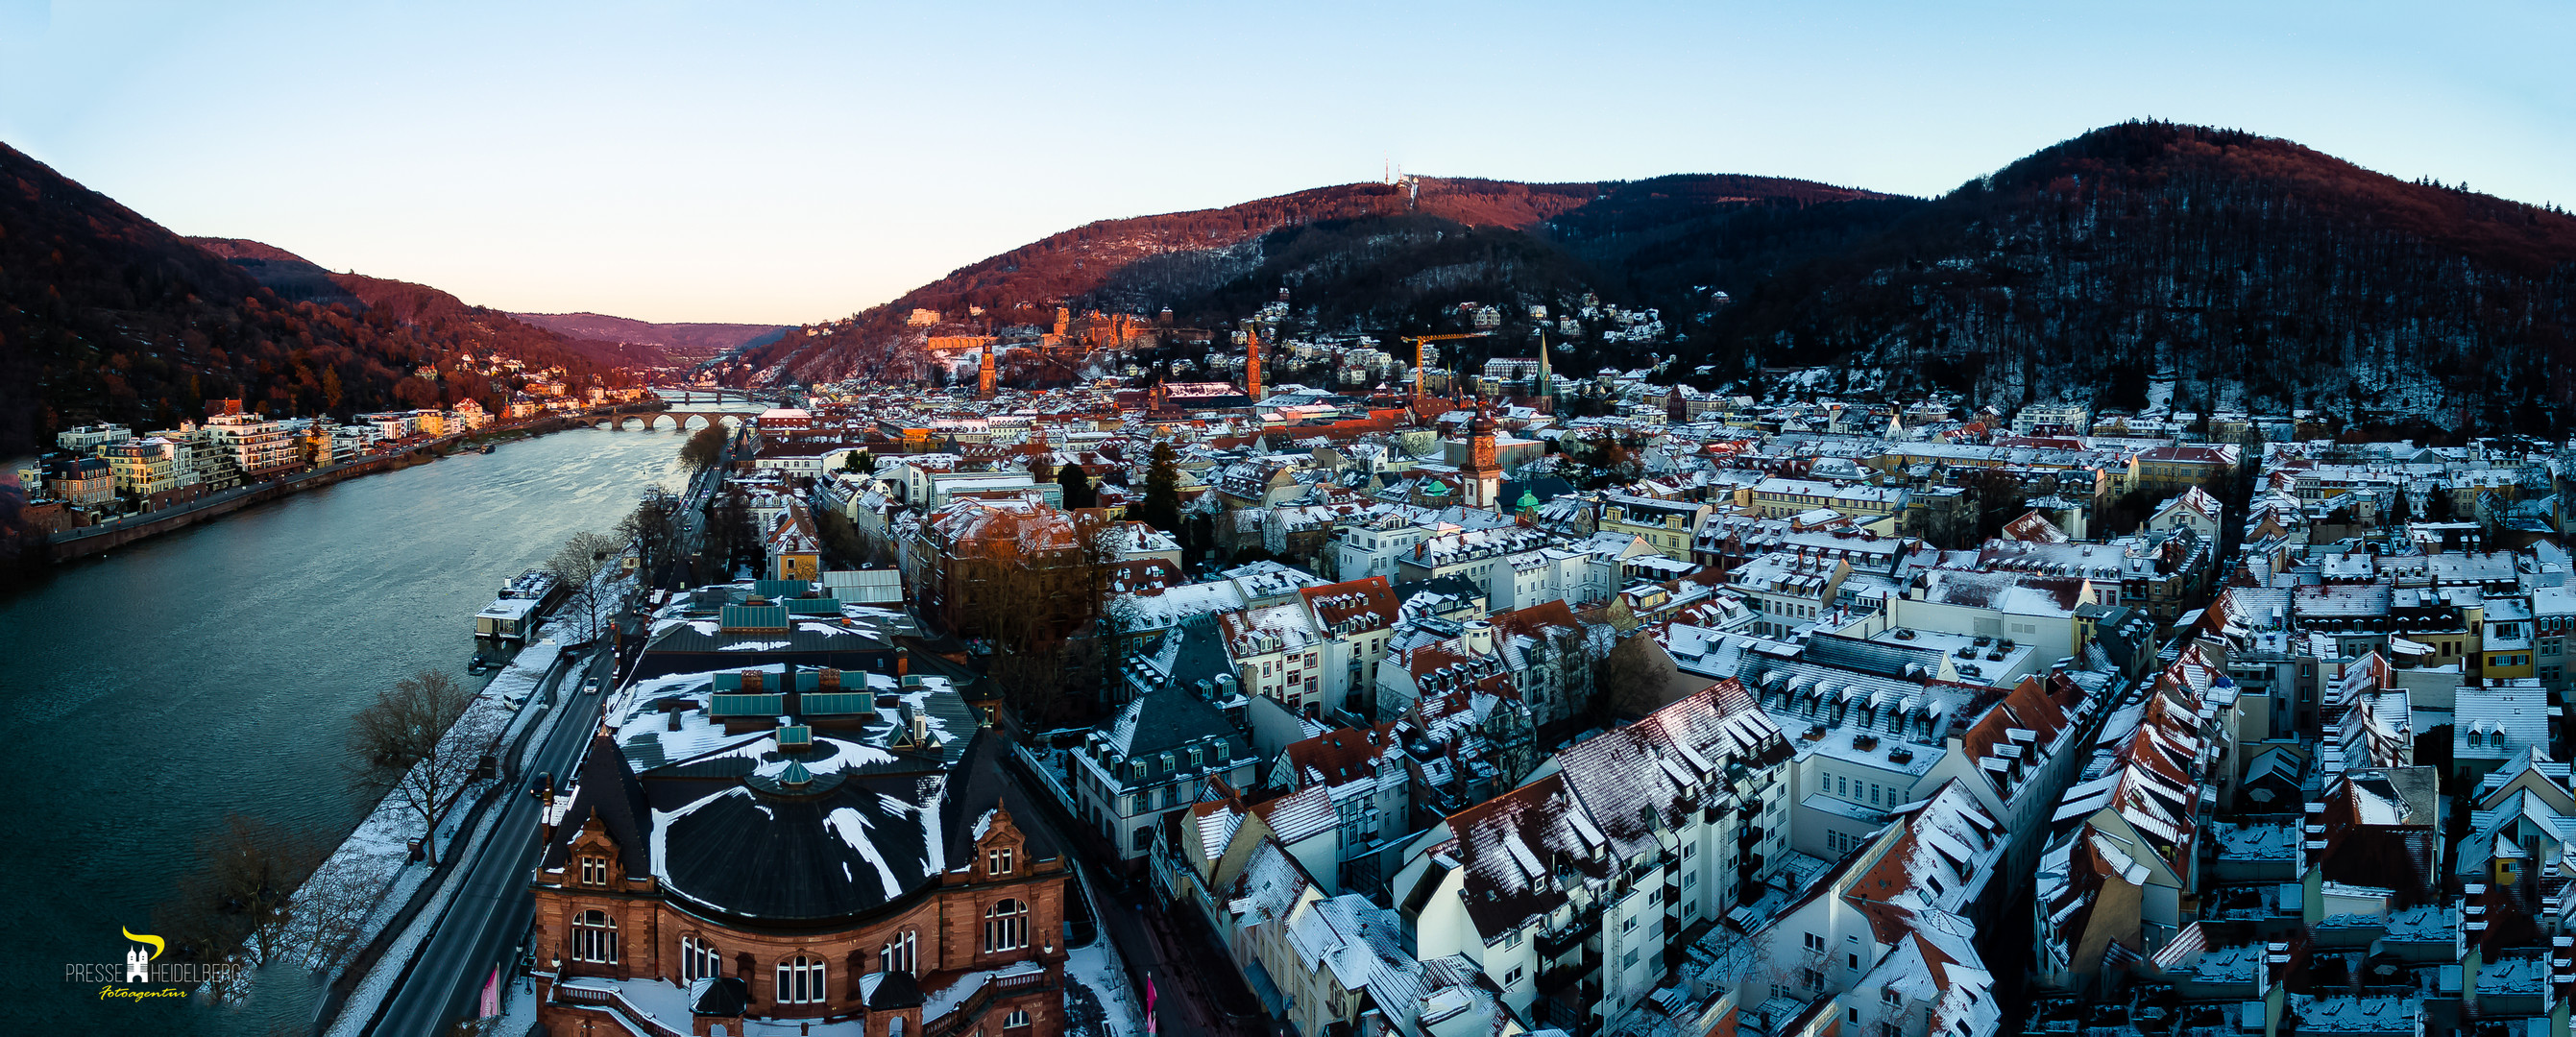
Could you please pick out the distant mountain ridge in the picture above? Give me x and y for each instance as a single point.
(681, 342)
(298, 279)
(2242, 271)
(108, 316)
(2208, 267)
(1178, 258)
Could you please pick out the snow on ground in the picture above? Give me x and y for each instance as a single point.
(370, 876)
(518, 1011)
(359, 888)
(516, 1016)
(1098, 1000)
(1095, 971)
(361, 1006)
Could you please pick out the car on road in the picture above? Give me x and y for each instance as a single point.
(590, 687)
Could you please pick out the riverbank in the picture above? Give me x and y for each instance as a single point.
(87, 541)
(224, 663)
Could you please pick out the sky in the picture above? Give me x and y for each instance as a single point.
(784, 163)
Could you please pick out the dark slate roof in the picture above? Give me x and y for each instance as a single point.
(890, 990)
(1544, 487)
(1873, 657)
(1166, 718)
(1201, 656)
(719, 996)
(609, 790)
(976, 786)
(1451, 586)
(847, 852)
(680, 648)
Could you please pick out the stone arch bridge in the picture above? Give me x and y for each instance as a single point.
(680, 420)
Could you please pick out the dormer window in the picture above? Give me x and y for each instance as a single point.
(998, 861)
(594, 871)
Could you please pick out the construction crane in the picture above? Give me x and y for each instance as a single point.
(1418, 340)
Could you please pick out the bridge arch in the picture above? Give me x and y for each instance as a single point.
(681, 421)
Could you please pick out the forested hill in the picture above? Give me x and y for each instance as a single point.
(106, 315)
(1199, 261)
(678, 341)
(2244, 270)
(438, 315)
(2248, 269)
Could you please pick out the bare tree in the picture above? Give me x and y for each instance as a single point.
(1566, 668)
(579, 566)
(654, 528)
(730, 540)
(409, 749)
(256, 866)
(705, 448)
(330, 915)
(1631, 679)
(1042, 609)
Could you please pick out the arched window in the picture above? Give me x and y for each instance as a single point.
(699, 960)
(800, 981)
(897, 954)
(1006, 926)
(594, 938)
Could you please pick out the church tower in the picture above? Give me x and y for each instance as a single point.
(1252, 361)
(1480, 482)
(984, 374)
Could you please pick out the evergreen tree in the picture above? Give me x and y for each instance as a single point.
(1077, 487)
(1162, 509)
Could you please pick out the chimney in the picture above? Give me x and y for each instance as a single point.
(828, 681)
(751, 681)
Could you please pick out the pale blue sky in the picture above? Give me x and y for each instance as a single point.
(796, 163)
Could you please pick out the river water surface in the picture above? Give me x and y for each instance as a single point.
(147, 693)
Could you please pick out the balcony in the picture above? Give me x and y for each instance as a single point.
(1554, 944)
(1748, 835)
(1554, 980)
(977, 1003)
(614, 1003)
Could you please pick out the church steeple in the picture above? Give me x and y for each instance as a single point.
(1546, 384)
(984, 374)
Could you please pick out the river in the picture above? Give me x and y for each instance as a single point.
(148, 693)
